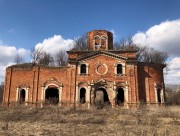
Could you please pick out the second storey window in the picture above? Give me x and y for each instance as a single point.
(119, 69)
(83, 69)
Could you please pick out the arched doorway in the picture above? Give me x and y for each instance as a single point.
(101, 98)
(22, 96)
(159, 95)
(120, 96)
(82, 95)
(52, 96)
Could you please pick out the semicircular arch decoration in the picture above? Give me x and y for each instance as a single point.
(52, 81)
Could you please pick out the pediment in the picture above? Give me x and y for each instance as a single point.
(98, 53)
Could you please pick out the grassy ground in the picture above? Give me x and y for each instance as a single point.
(164, 121)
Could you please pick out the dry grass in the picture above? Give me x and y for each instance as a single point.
(163, 121)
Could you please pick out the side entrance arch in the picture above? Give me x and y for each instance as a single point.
(82, 95)
(120, 96)
(22, 96)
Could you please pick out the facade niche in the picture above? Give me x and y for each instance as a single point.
(82, 95)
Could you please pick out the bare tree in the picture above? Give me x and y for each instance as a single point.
(151, 55)
(81, 43)
(61, 58)
(18, 59)
(144, 53)
(36, 54)
(126, 44)
(46, 59)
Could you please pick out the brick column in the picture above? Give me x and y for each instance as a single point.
(60, 95)
(17, 94)
(115, 93)
(26, 96)
(155, 91)
(77, 95)
(88, 96)
(92, 95)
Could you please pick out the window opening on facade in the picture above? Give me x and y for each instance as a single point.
(82, 95)
(97, 40)
(119, 69)
(103, 41)
(52, 96)
(83, 68)
(22, 96)
(120, 96)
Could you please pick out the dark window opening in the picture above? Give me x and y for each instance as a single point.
(22, 96)
(159, 95)
(52, 96)
(101, 97)
(83, 68)
(119, 69)
(97, 40)
(82, 95)
(103, 41)
(120, 96)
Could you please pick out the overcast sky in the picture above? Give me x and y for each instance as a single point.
(25, 24)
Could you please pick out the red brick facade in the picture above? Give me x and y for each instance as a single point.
(95, 76)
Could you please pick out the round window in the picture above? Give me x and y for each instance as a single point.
(101, 69)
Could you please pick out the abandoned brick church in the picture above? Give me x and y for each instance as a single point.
(99, 75)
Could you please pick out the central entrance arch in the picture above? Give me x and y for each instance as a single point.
(52, 96)
(101, 98)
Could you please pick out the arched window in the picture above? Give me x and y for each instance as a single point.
(97, 40)
(83, 68)
(82, 95)
(103, 41)
(119, 69)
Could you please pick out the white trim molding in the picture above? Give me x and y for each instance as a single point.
(18, 94)
(87, 69)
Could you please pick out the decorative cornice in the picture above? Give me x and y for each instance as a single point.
(93, 54)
